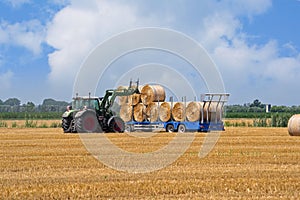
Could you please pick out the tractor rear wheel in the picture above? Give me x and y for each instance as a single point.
(116, 125)
(86, 122)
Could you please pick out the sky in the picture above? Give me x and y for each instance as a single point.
(255, 44)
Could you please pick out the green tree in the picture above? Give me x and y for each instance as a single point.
(12, 102)
(30, 106)
(257, 103)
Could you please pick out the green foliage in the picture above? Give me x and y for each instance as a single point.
(55, 125)
(14, 125)
(12, 102)
(280, 120)
(3, 124)
(30, 124)
(262, 122)
(256, 103)
(30, 115)
(248, 115)
(43, 125)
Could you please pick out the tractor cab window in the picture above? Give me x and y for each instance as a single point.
(96, 104)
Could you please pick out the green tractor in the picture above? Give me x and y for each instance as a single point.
(94, 114)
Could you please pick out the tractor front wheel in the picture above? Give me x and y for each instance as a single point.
(116, 125)
(67, 124)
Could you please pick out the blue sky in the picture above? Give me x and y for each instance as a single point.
(254, 43)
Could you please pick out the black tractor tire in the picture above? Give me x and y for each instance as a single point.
(116, 125)
(86, 122)
(67, 124)
(170, 128)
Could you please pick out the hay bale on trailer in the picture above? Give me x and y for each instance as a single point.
(152, 93)
(152, 111)
(165, 111)
(123, 99)
(126, 112)
(139, 112)
(178, 111)
(135, 99)
(294, 125)
(193, 111)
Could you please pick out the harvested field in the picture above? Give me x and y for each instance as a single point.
(249, 163)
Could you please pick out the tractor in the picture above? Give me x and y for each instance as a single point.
(96, 114)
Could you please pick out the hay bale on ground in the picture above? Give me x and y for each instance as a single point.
(294, 125)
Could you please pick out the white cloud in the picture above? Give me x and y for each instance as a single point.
(6, 80)
(78, 28)
(29, 34)
(249, 70)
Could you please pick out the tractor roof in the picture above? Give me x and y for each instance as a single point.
(85, 98)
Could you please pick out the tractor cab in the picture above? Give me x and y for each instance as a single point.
(83, 103)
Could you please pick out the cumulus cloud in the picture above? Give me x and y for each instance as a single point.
(249, 69)
(29, 34)
(78, 28)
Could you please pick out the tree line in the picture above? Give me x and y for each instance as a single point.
(256, 107)
(53, 109)
(13, 105)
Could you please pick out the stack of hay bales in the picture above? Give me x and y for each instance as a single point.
(150, 105)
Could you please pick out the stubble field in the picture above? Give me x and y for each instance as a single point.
(247, 163)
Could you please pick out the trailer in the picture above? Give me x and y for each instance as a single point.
(209, 119)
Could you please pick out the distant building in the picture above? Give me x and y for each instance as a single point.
(268, 108)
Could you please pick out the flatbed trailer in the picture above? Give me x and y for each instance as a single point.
(201, 125)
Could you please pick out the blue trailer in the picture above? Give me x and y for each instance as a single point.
(209, 121)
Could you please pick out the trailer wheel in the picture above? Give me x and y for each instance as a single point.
(181, 128)
(128, 128)
(170, 128)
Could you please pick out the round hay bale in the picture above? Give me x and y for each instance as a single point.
(135, 99)
(126, 112)
(123, 99)
(152, 111)
(294, 125)
(178, 111)
(152, 93)
(193, 111)
(165, 111)
(139, 112)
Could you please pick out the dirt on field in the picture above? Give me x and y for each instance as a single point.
(246, 163)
